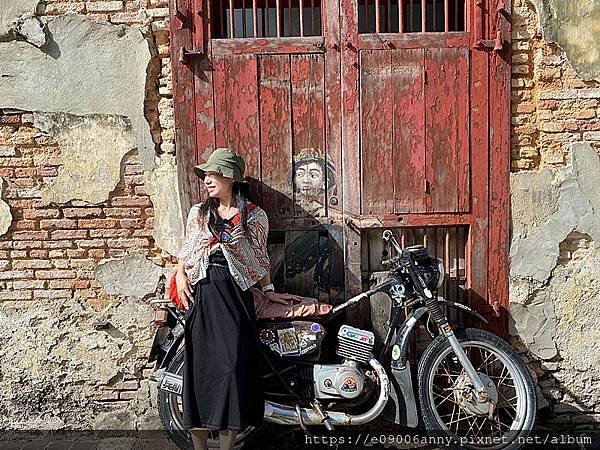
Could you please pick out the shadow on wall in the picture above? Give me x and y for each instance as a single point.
(307, 261)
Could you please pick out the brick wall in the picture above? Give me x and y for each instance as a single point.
(50, 251)
(551, 106)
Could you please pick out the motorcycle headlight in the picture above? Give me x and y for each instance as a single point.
(441, 273)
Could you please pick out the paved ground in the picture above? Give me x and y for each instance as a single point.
(270, 438)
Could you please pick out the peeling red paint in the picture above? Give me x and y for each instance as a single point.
(411, 113)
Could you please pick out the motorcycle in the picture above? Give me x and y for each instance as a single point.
(472, 389)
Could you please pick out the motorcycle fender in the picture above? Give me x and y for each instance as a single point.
(401, 409)
(171, 352)
(159, 336)
(461, 307)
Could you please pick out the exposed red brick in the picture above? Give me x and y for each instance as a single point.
(38, 253)
(58, 223)
(127, 395)
(25, 225)
(123, 212)
(96, 253)
(56, 273)
(130, 201)
(28, 235)
(112, 233)
(76, 253)
(97, 223)
(68, 234)
(29, 244)
(39, 213)
(82, 212)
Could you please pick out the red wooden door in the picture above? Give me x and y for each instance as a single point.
(354, 115)
(266, 82)
(417, 95)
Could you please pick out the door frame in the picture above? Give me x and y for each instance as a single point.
(488, 244)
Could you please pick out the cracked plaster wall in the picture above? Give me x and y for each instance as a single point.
(91, 73)
(555, 298)
(575, 26)
(78, 361)
(555, 142)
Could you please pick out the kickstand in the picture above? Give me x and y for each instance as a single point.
(302, 425)
(326, 420)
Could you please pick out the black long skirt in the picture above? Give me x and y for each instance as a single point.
(222, 378)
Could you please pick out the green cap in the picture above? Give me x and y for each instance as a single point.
(225, 162)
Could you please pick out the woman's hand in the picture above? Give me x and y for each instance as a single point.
(283, 298)
(183, 290)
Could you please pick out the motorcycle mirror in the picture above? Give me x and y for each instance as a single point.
(387, 236)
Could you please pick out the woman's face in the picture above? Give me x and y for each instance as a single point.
(217, 185)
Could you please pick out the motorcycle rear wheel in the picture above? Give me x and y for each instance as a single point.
(448, 410)
(170, 411)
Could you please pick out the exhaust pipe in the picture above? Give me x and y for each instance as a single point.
(287, 415)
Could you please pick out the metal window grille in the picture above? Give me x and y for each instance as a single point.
(410, 16)
(265, 18)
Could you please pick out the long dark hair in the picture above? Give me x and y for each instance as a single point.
(211, 205)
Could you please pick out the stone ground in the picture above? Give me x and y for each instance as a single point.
(379, 435)
(269, 439)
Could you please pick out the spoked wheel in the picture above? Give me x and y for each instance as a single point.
(170, 411)
(450, 407)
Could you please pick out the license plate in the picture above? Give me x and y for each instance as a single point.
(172, 383)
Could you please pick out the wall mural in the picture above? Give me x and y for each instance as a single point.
(313, 261)
(313, 180)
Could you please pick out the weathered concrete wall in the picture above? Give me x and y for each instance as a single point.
(89, 209)
(575, 27)
(554, 297)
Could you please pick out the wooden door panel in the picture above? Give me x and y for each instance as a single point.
(308, 131)
(447, 128)
(409, 131)
(271, 109)
(377, 163)
(276, 133)
(236, 110)
(414, 131)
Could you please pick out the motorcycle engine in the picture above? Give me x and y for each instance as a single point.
(346, 380)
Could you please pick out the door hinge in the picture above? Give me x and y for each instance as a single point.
(184, 54)
(496, 44)
(502, 25)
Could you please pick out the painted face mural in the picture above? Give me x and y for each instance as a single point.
(313, 178)
(313, 262)
(309, 178)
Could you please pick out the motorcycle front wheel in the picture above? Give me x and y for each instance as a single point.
(449, 407)
(170, 411)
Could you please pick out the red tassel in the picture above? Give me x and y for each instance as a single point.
(173, 295)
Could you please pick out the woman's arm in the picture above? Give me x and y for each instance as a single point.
(266, 280)
(192, 230)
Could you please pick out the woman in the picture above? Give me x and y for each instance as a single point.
(224, 254)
